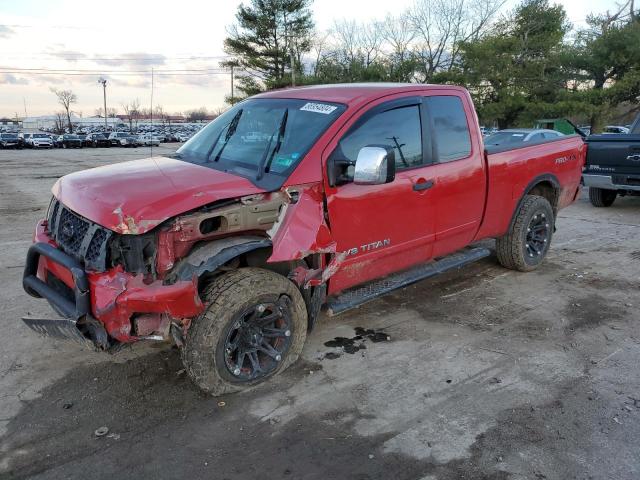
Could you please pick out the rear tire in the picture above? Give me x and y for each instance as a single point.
(238, 303)
(526, 244)
(600, 197)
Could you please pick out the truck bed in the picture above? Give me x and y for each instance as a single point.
(512, 170)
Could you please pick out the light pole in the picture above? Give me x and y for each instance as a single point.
(103, 81)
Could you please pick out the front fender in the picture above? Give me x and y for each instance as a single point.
(210, 256)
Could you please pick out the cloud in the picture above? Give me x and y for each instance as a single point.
(10, 79)
(6, 32)
(131, 59)
(68, 55)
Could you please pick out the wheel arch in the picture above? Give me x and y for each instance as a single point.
(546, 186)
(208, 260)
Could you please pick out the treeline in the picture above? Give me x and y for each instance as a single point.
(521, 65)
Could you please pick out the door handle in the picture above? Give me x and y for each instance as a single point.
(423, 185)
(634, 158)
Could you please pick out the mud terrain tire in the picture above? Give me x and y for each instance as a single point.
(516, 250)
(228, 298)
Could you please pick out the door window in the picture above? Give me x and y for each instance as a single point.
(399, 129)
(450, 128)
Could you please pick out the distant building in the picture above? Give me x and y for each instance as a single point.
(145, 118)
(48, 122)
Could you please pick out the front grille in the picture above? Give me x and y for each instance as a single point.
(71, 231)
(81, 238)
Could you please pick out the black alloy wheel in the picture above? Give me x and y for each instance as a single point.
(258, 340)
(537, 235)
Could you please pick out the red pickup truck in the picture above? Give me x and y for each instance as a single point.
(290, 201)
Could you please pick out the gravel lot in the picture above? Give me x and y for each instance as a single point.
(488, 374)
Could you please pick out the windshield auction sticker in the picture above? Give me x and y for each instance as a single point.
(318, 108)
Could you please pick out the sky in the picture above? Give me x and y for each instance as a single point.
(121, 40)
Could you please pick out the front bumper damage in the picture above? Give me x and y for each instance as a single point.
(106, 308)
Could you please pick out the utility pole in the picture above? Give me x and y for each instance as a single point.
(293, 69)
(25, 107)
(103, 81)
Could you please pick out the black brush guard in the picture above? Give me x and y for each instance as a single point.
(77, 312)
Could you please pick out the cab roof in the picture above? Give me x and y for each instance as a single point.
(351, 93)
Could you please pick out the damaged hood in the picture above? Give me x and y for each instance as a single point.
(135, 197)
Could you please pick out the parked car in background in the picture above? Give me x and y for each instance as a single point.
(39, 140)
(585, 129)
(615, 129)
(84, 140)
(97, 140)
(123, 139)
(69, 140)
(521, 135)
(26, 139)
(9, 140)
(149, 140)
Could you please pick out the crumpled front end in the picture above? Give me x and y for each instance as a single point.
(122, 287)
(108, 307)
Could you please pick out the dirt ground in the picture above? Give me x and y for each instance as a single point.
(488, 373)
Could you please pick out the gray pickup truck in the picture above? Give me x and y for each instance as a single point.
(613, 166)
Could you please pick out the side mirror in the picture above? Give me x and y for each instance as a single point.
(375, 165)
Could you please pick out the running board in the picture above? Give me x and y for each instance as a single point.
(359, 295)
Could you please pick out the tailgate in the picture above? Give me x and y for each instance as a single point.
(616, 153)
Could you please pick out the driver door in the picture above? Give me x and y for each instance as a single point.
(388, 227)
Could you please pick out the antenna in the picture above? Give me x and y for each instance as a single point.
(25, 107)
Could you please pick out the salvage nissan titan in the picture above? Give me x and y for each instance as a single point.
(291, 201)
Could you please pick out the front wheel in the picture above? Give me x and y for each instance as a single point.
(526, 244)
(254, 327)
(599, 197)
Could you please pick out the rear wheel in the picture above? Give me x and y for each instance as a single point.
(254, 327)
(526, 244)
(599, 197)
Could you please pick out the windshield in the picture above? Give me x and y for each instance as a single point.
(71, 137)
(261, 139)
(40, 135)
(505, 138)
(9, 136)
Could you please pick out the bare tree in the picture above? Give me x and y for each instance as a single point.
(319, 45)
(397, 34)
(442, 25)
(58, 123)
(370, 38)
(197, 115)
(131, 112)
(160, 114)
(347, 36)
(66, 98)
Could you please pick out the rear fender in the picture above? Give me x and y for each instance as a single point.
(542, 179)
